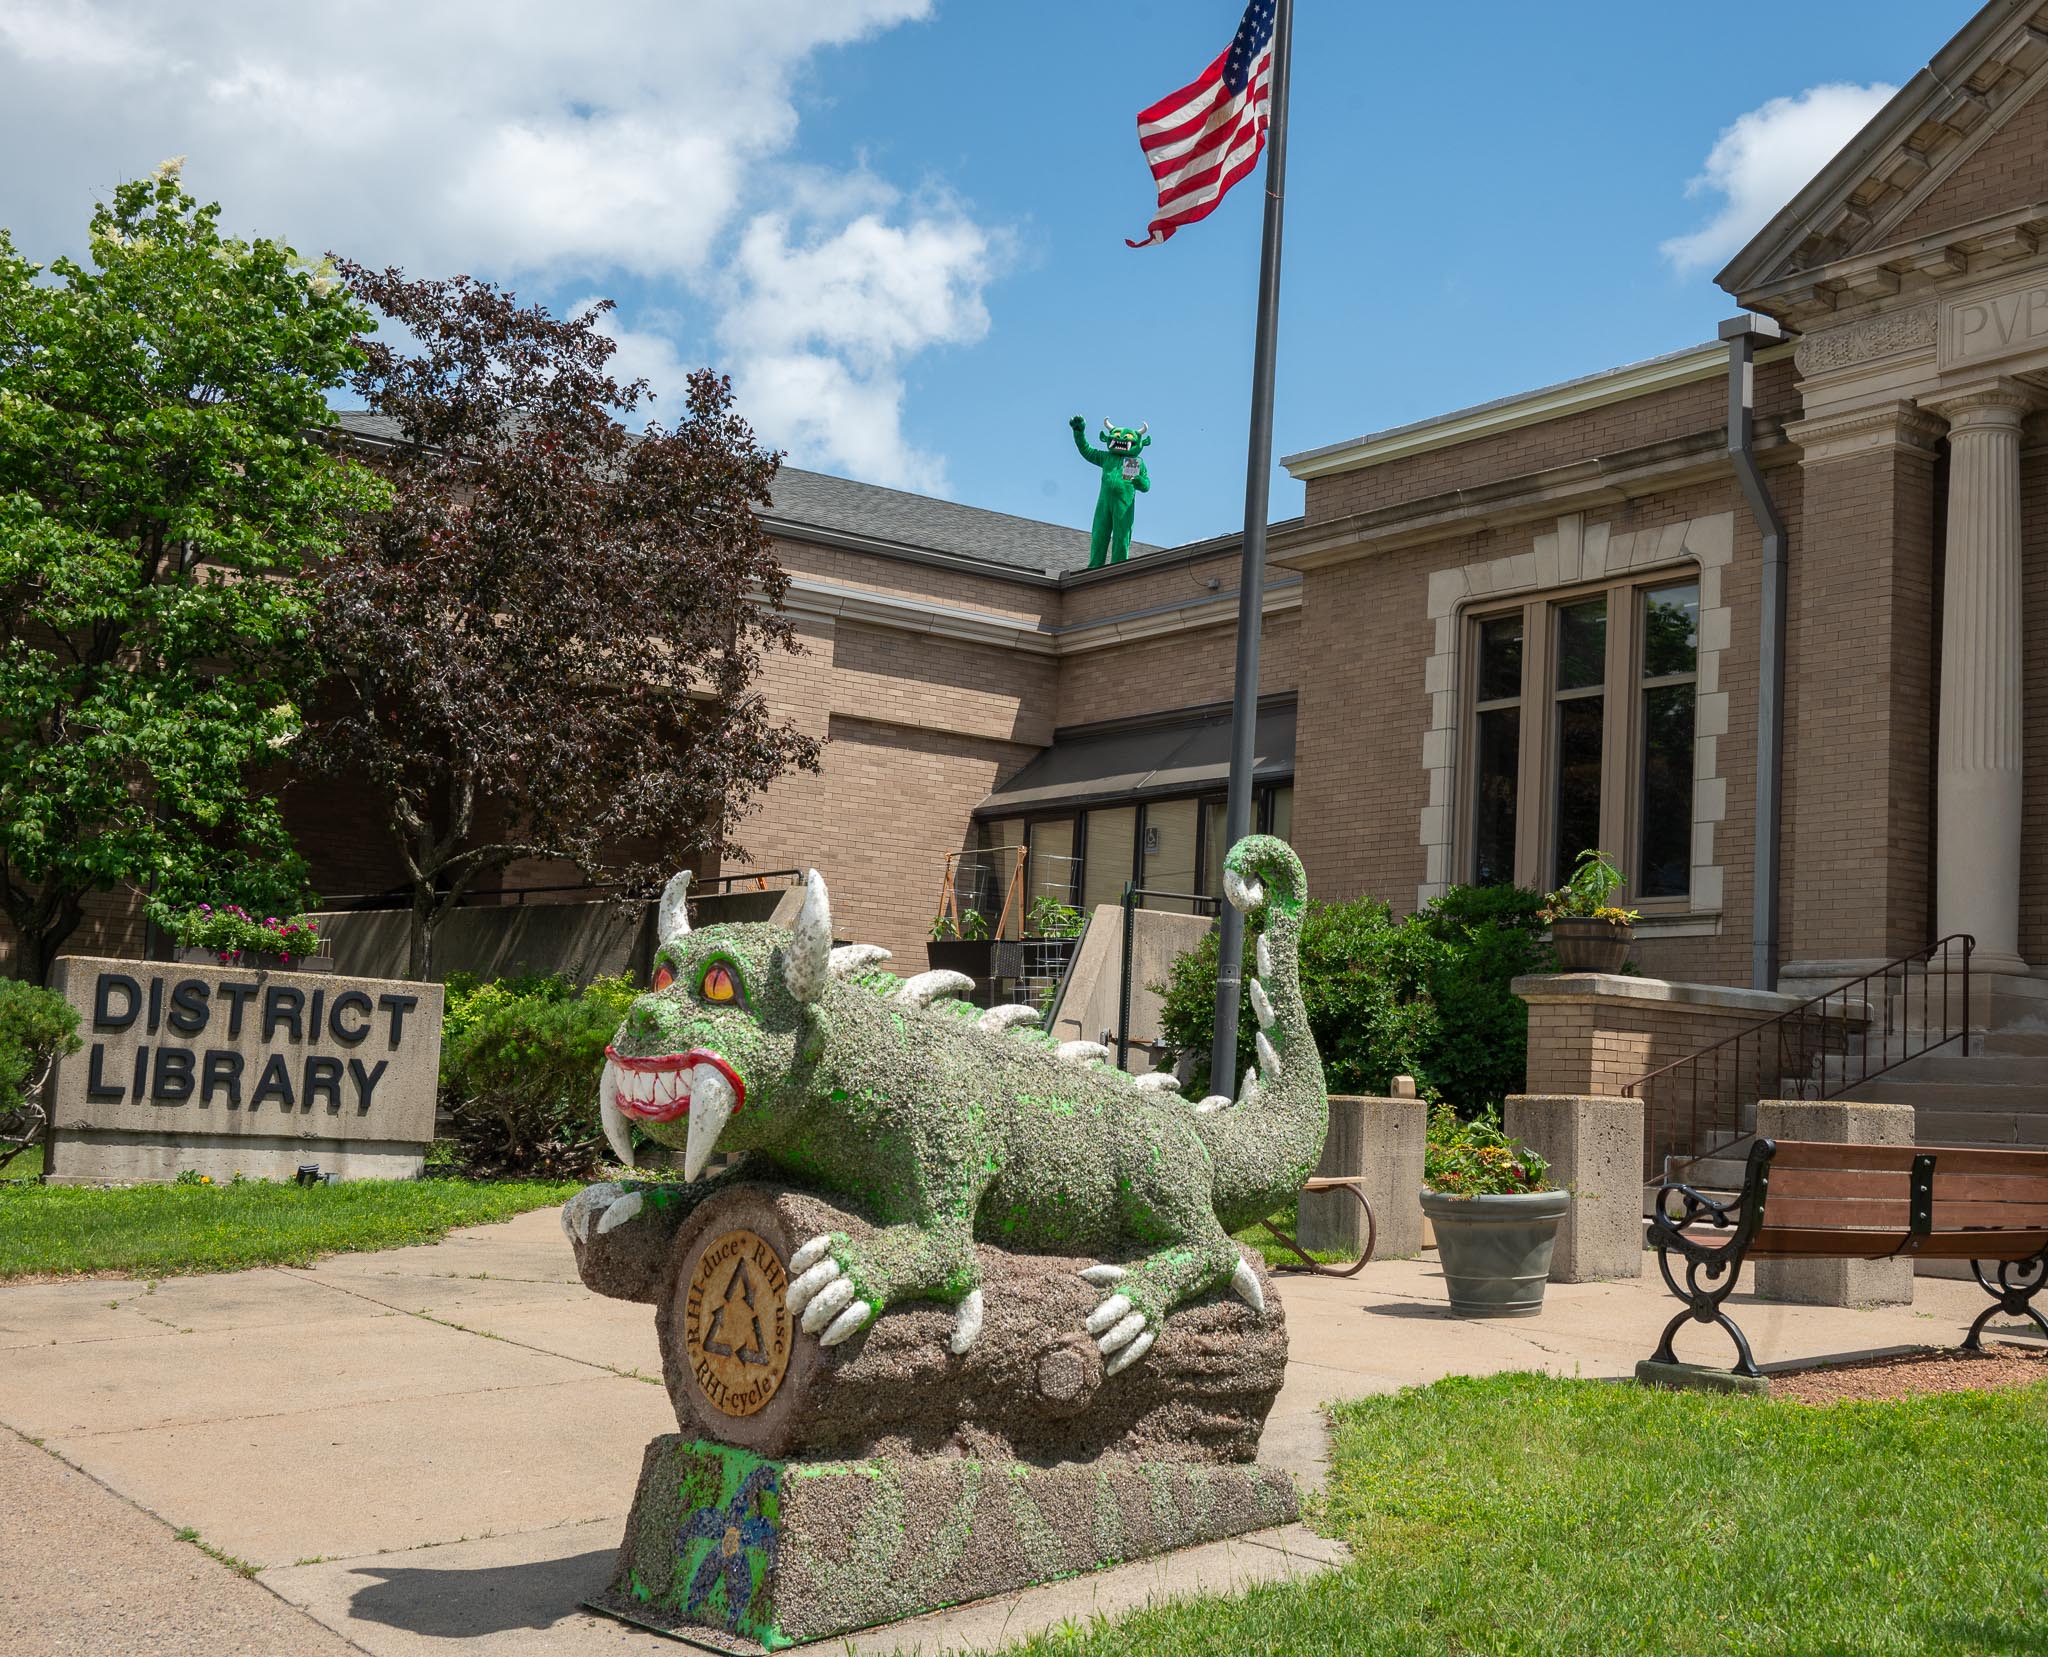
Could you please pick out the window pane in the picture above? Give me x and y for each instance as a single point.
(984, 880)
(1169, 861)
(1283, 812)
(1671, 629)
(1578, 780)
(1052, 861)
(1493, 829)
(1664, 868)
(1500, 657)
(1582, 644)
(1106, 863)
(1215, 832)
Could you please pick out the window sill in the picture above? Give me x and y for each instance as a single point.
(1678, 926)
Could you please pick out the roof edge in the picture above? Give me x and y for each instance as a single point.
(1522, 408)
(1937, 79)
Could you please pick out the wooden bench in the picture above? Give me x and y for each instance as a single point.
(1324, 1268)
(1802, 1200)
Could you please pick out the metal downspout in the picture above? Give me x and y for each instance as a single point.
(1743, 334)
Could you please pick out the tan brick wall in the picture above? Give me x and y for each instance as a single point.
(1360, 787)
(916, 732)
(960, 589)
(1859, 716)
(2011, 170)
(1184, 670)
(1603, 1045)
(1678, 412)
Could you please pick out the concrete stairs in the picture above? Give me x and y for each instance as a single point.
(1995, 1095)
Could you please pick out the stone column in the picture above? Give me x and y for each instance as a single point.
(1977, 848)
(1595, 1149)
(1381, 1142)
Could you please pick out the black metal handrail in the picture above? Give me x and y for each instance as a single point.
(1704, 1105)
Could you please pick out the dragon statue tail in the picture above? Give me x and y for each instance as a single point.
(1268, 1139)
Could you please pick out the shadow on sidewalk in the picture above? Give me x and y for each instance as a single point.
(489, 1600)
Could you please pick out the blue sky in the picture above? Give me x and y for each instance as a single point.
(900, 223)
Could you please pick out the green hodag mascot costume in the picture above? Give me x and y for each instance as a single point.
(1124, 478)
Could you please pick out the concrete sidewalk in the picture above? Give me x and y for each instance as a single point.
(438, 1444)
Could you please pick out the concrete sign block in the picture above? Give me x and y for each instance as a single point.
(227, 1071)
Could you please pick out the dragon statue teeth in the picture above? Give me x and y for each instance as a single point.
(950, 1125)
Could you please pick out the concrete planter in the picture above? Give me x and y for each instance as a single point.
(1586, 945)
(1495, 1251)
(972, 956)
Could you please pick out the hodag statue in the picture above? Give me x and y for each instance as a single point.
(964, 1313)
(1124, 479)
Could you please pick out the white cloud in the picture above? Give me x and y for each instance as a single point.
(823, 319)
(508, 138)
(1761, 162)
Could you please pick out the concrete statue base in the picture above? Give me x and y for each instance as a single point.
(742, 1554)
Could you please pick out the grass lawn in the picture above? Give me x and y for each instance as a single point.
(1276, 1253)
(1523, 1514)
(29, 1165)
(164, 1230)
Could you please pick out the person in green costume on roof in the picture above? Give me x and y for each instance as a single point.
(1124, 478)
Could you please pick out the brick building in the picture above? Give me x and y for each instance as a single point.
(1505, 633)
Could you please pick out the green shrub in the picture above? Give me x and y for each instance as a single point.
(37, 1026)
(520, 1062)
(1426, 997)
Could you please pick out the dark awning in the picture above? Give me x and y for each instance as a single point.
(1188, 755)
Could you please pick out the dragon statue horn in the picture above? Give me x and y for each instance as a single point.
(807, 959)
(672, 920)
(1143, 427)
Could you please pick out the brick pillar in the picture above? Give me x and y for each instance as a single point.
(1835, 1282)
(1861, 696)
(1380, 1141)
(1595, 1149)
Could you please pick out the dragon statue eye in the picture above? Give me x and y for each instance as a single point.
(719, 984)
(664, 975)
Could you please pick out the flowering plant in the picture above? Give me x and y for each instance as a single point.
(1584, 897)
(228, 930)
(1476, 1159)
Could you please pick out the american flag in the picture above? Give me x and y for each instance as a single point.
(1204, 138)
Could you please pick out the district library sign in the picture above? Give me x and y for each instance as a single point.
(225, 1071)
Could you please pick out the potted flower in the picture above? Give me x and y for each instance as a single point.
(1589, 933)
(1495, 1210)
(228, 935)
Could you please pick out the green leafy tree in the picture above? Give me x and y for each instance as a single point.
(162, 491)
(1426, 997)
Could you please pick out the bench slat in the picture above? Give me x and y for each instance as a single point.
(1953, 1159)
(1832, 1243)
(1893, 1213)
(1988, 1187)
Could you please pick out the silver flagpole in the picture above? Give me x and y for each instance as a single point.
(1251, 581)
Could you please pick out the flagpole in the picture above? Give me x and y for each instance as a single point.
(1251, 581)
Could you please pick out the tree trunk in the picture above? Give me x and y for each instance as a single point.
(1032, 1387)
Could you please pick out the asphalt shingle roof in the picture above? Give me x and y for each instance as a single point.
(814, 500)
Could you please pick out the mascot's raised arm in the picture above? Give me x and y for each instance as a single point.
(1124, 478)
